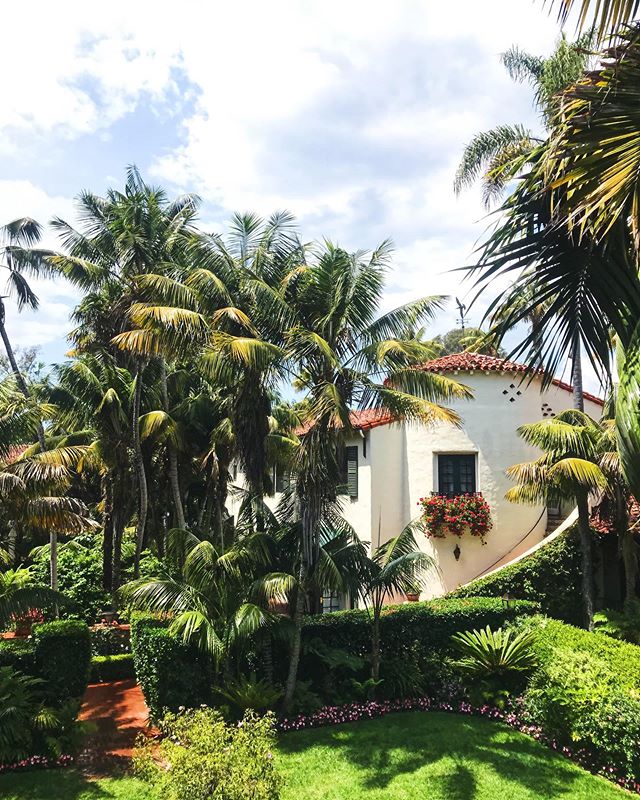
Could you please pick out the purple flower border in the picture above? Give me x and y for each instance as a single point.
(353, 712)
(37, 762)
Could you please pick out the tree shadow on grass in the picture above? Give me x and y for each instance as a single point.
(461, 749)
(52, 784)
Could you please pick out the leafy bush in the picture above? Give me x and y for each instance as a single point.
(624, 625)
(586, 693)
(79, 577)
(27, 726)
(209, 759)
(551, 576)
(109, 640)
(112, 668)
(170, 673)
(63, 658)
(19, 654)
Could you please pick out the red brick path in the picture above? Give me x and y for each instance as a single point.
(118, 714)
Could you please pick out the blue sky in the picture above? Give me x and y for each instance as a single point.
(350, 114)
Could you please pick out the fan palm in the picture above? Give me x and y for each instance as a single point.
(396, 567)
(568, 468)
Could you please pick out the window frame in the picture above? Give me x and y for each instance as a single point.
(457, 460)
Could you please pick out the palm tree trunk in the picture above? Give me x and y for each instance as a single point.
(576, 377)
(173, 456)
(53, 563)
(294, 658)
(375, 645)
(143, 500)
(22, 384)
(586, 548)
(107, 543)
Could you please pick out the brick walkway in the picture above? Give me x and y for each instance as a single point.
(118, 713)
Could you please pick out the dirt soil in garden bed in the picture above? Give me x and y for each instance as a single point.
(118, 715)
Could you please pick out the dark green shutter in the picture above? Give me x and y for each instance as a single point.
(352, 470)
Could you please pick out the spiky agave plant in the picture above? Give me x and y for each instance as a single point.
(488, 653)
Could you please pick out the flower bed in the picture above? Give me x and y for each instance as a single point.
(37, 762)
(464, 512)
(353, 712)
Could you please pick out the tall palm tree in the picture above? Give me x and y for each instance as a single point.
(569, 467)
(21, 260)
(126, 234)
(396, 567)
(347, 357)
(497, 156)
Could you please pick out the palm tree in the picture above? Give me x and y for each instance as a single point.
(19, 595)
(608, 17)
(396, 567)
(92, 398)
(568, 468)
(498, 155)
(125, 234)
(21, 259)
(346, 357)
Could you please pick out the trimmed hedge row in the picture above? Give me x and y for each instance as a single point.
(112, 668)
(551, 576)
(170, 673)
(585, 694)
(59, 653)
(173, 675)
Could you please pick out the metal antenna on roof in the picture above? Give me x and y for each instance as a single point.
(463, 314)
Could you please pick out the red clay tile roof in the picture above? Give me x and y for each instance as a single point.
(478, 362)
(602, 522)
(360, 420)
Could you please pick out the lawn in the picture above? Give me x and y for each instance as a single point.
(67, 784)
(399, 757)
(416, 756)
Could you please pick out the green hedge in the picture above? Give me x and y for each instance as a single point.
(112, 668)
(170, 673)
(63, 658)
(586, 694)
(18, 654)
(551, 576)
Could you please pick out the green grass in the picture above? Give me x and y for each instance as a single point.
(399, 757)
(416, 756)
(67, 784)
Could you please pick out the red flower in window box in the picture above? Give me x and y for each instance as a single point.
(465, 512)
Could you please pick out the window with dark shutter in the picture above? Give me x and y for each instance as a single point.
(282, 480)
(456, 474)
(349, 472)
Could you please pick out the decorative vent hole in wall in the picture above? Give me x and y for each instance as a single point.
(512, 393)
(547, 411)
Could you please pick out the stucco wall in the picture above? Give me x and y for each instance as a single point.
(400, 467)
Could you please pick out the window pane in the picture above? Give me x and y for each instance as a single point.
(456, 474)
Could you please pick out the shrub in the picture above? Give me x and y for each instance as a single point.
(18, 654)
(109, 640)
(585, 693)
(112, 668)
(208, 759)
(246, 693)
(171, 673)
(624, 625)
(551, 576)
(63, 658)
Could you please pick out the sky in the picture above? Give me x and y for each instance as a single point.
(352, 115)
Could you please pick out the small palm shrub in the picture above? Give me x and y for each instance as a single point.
(202, 757)
(249, 692)
(29, 727)
(494, 663)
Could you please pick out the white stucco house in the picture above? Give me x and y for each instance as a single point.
(390, 466)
